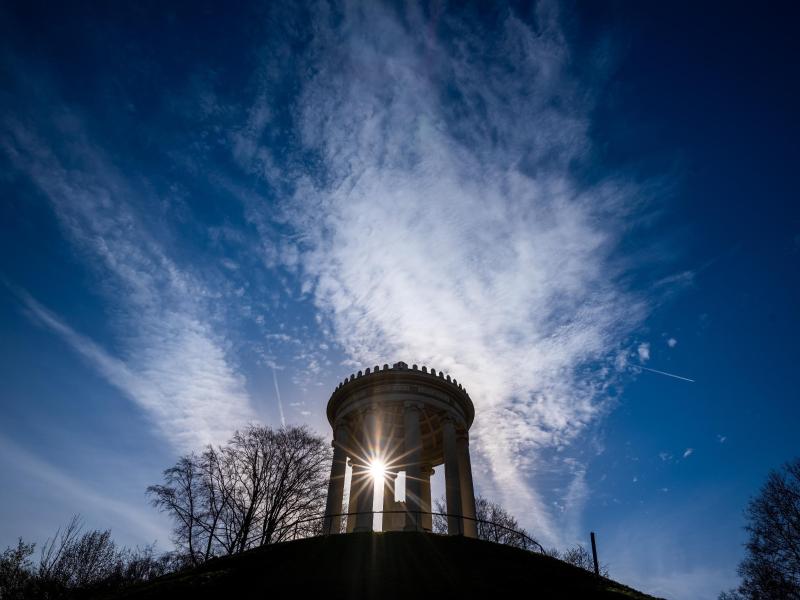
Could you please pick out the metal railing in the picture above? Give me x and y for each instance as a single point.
(302, 528)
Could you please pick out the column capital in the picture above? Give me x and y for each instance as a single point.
(340, 436)
(462, 435)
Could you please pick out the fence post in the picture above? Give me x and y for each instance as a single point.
(594, 556)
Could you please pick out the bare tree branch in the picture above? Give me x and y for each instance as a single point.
(245, 493)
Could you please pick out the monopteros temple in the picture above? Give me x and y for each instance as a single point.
(400, 423)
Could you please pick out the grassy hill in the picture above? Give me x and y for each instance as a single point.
(384, 565)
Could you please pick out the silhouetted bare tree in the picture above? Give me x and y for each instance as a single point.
(771, 568)
(182, 495)
(580, 557)
(144, 564)
(494, 523)
(75, 563)
(16, 571)
(245, 493)
(73, 559)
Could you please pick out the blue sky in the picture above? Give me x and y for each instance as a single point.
(210, 217)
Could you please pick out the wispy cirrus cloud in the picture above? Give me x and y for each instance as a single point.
(444, 223)
(171, 361)
(431, 199)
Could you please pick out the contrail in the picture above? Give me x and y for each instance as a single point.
(663, 373)
(278, 394)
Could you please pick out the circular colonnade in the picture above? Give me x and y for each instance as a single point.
(400, 422)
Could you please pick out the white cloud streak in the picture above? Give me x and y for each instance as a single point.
(635, 367)
(172, 363)
(448, 228)
(575, 500)
(278, 396)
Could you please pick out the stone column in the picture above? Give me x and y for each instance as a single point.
(467, 488)
(425, 498)
(413, 453)
(389, 518)
(352, 502)
(452, 477)
(362, 475)
(333, 505)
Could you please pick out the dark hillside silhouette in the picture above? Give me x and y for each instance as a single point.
(386, 566)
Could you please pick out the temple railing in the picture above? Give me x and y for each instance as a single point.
(314, 527)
